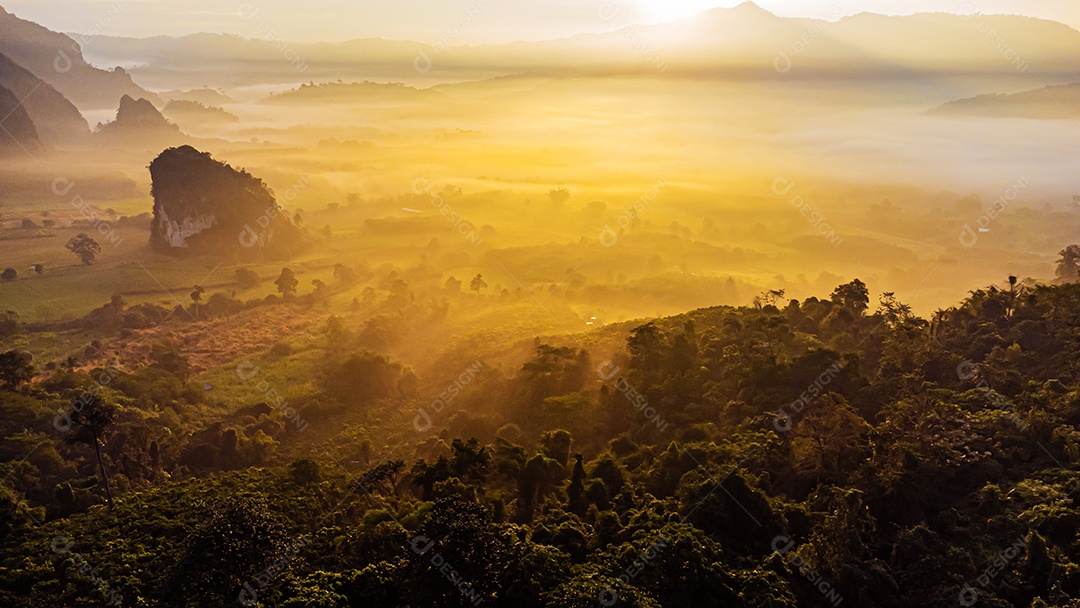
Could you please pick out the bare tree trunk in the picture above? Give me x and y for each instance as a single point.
(101, 464)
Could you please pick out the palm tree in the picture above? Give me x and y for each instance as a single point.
(477, 284)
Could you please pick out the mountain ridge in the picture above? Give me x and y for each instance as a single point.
(720, 41)
(57, 120)
(58, 60)
(1052, 102)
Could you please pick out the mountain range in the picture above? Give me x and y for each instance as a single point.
(717, 43)
(53, 76)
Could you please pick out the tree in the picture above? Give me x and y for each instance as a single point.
(894, 311)
(286, 283)
(537, 480)
(85, 247)
(459, 532)
(556, 445)
(90, 419)
(364, 377)
(9, 274)
(385, 478)
(345, 275)
(470, 460)
(477, 284)
(240, 540)
(15, 368)
(555, 371)
(558, 196)
(167, 357)
(1068, 267)
(246, 278)
(196, 297)
(827, 442)
(452, 285)
(768, 298)
(646, 344)
(304, 471)
(575, 492)
(336, 330)
(853, 295)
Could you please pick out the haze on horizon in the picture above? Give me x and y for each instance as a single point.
(490, 22)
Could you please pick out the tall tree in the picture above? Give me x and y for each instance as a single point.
(90, 419)
(575, 492)
(1068, 267)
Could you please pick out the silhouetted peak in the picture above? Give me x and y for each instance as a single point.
(747, 12)
(750, 7)
(139, 114)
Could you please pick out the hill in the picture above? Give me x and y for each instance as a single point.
(715, 455)
(58, 121)
(1046, 103)
(17, 132)
(58, 60)
(182, 110)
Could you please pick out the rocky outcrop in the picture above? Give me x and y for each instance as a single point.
(57, 120)
(17, 132)
(139, 122)
(202, 205)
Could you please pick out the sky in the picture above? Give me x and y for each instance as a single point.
(460, 21)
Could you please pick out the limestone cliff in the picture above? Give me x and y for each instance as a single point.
(202, 205)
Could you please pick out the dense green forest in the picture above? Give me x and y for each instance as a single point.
(827, 452)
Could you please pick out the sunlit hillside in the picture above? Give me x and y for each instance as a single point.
(272, 309)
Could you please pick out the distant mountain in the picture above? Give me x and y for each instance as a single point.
(138, 121)
(205, 96)
(180, 111)
(745, 40)
(58, 60)
(56, 119)
(1048, 103)
(351, 92)
(17, 132)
